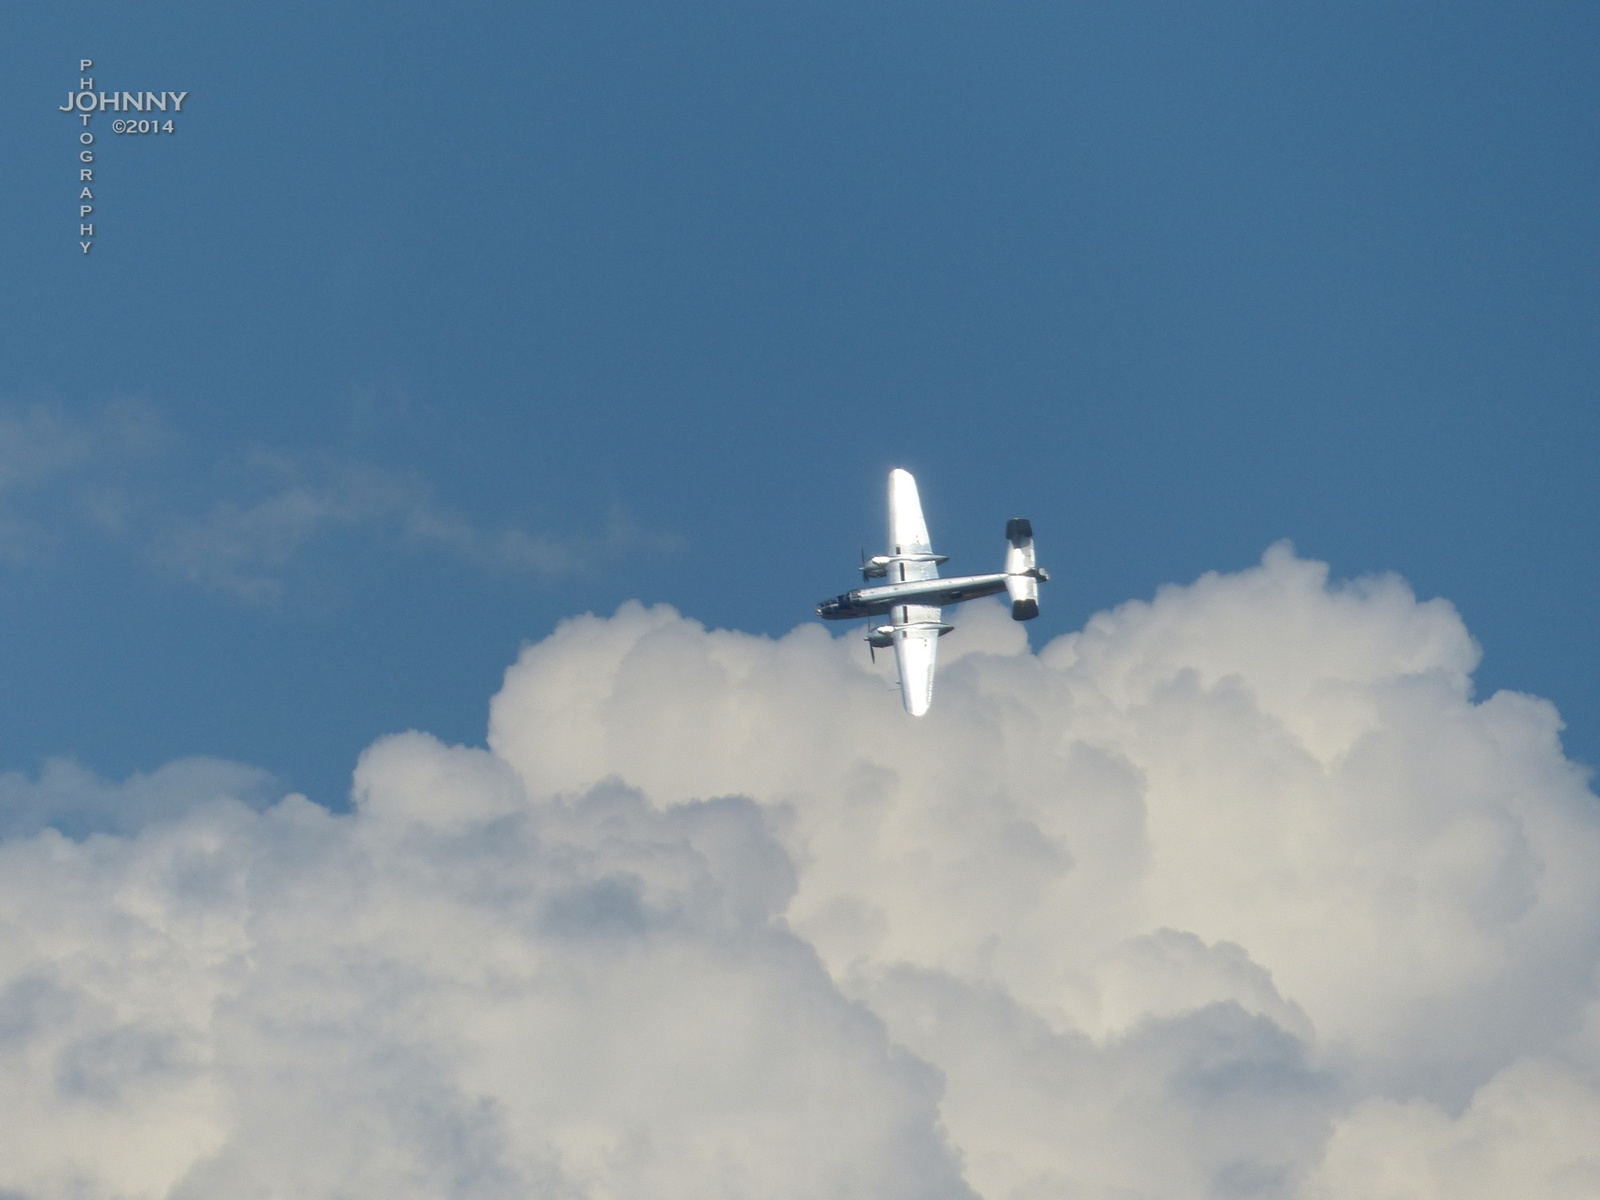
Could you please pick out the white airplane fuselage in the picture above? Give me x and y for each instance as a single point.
(880, 600)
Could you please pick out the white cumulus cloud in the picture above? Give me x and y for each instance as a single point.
(1240, 892)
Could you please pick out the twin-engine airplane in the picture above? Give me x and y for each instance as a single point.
(914, 593)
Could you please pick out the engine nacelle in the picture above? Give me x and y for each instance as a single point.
(881, 638)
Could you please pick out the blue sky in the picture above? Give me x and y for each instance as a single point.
(434, 325)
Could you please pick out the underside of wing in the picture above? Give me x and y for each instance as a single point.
(916, 644)
(908, 532)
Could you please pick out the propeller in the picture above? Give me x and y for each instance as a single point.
(872, 653)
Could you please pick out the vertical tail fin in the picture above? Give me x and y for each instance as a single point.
(1022, 571)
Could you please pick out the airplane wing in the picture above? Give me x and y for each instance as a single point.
(916, 626)
(916, 643)
(908, 532)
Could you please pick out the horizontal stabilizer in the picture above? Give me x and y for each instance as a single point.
(1022, 570)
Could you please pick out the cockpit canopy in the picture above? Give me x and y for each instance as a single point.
(842, 605)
